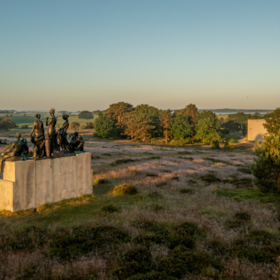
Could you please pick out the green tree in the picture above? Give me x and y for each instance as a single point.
(153, 114)
(193, 114)
(266, 169)
(207, 127)
(6, 123)
(139, 127)
(181, 127)
(85, 115)
(231, 124)
(116, 112)
(166, 120)
(272, 121)
(104, 126)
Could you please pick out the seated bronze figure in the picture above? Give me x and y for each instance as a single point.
(77, 142)
(18, 149)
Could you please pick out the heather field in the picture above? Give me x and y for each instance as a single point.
(158, 212)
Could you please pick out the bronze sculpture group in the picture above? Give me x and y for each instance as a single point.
(55, 142)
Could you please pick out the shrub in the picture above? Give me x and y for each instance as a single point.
(231, 141)
(152, 276)
(24, 126)
(101, 181)
(180, 142)
(82, 127)
(189, 191)
(214, 143)
(266, 169)
(210, 178)
(109, 208)
(125, 189)
(74, 125)
(6, 123)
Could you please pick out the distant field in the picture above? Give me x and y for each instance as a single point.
(29, 119)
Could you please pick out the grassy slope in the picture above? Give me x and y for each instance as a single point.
(203, 186)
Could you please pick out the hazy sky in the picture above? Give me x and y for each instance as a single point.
(75, 55)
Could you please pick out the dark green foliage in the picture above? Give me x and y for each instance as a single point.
(104, 127)
(174, 178)
(239, 182)
(243, 216)
(121, 161)
(82, 241)
(176, 238)
(191, 182)
(192, 112)
(181, 127)
(151, 175)
(125, 189)
(217, 247)
(235, 224)
(214, 143)
(184, 153)
(207, 126)
(272, 122)
(27, 239)
(109, 208)
(266, 169)
(166, 121)
(188, 191)
(85, 115)
(140, 126)
(136, 260)
(260, 237)
(210, 178)
(259, 254)
(152, 276)
(101, 181)
(249, 194)
(6, 123)
(187, 261)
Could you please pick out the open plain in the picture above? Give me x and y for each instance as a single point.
(184, 212)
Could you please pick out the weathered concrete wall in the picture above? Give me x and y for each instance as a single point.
(256, 130)
(28, 184)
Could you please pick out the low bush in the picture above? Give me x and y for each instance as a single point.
(109, 208)
(188, 191)
(266, 169)
(101, 181)
(210, 178)
(214, 143)
(121, 161)
(125, 189)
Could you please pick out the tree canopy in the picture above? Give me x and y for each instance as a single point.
(104, 126)
(273, 121)
(85, 115)
(6, 123)
(181, 127)
(207, 126)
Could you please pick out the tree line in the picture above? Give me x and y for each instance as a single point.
(144, 122)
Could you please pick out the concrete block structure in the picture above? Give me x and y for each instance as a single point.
(29, 184)
(256, 130)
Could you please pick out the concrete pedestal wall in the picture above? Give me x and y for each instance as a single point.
(29, 184)
(256, 130)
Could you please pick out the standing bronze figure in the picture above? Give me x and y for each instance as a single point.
(39, 139)
(18, 149)
(50, 142)
(62, 134)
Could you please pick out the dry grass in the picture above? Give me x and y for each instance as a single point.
(177, 194)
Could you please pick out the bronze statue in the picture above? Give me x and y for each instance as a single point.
(77, 142)
(18, 149)
(39, 139)
(50, 142)
(62, 134)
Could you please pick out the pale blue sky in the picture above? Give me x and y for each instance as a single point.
(76, 55)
